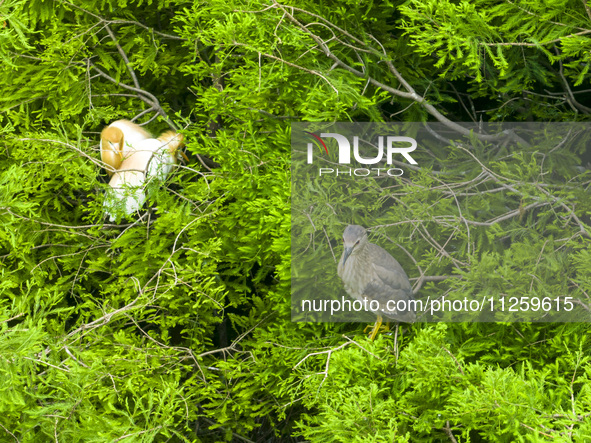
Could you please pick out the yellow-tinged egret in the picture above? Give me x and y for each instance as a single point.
(143, 160)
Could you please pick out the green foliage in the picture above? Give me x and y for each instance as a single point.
(175, 325)
(528, 49)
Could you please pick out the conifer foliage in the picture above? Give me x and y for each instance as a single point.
(174, 325)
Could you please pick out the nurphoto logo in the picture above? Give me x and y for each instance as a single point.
(388, 145)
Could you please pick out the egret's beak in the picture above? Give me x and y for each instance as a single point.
(185, 156)
(117, 149)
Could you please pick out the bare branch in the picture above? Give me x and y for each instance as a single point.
(409, 94)
(447, 430)
(123, 56)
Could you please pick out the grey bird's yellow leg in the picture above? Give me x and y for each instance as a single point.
(376, 328)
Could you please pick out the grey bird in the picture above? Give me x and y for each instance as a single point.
(370, 272)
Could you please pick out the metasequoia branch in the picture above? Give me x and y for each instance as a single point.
(143, 95)
(123, 56)
(409, 94)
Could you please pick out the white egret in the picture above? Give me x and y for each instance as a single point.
(143, 161)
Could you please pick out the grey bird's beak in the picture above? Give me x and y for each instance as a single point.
(347, 253)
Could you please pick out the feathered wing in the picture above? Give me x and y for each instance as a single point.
(390, 283)
(144, 160)
(132, 134)
(124, 198)
(128, 194)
